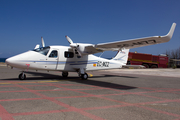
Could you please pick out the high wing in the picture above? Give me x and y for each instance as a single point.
(128, 44)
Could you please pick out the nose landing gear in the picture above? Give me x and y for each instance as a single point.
(22, 76)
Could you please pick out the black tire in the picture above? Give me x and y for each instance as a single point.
(154, 66)
(84, 76)
(146, 65)
(22, 76)
(65, 74)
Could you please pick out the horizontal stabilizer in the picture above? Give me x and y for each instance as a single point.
(133, 66)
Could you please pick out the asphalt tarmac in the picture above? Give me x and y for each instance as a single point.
(119, 94)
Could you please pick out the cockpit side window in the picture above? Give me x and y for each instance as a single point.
(54, 54)
(42, 50)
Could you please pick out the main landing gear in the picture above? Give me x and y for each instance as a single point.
(22, 76)
(82, 76)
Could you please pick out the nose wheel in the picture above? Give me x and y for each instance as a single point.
(22, 76)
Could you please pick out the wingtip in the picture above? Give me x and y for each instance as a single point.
(171, 31)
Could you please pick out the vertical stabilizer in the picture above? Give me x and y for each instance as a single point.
(122, 56)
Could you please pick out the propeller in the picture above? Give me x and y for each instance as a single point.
(42, 40)
(43, 44)
(69, 39)
(79, 48)
(74, 46)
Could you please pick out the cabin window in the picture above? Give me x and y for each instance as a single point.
(42, 50)
(54, 54)
(68, 54)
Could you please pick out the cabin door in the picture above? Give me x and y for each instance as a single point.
(52, 60)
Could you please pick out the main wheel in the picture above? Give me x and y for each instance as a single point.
(84, 76)
(65, 74)
(22, 76)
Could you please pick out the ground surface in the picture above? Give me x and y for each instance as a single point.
(112, 94)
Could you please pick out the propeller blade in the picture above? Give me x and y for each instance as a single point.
(69, 39)
(42, 40)
(37, 46)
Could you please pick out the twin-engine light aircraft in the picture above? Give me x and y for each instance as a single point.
(78, 57)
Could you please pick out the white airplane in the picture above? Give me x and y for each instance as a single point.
(78, 57)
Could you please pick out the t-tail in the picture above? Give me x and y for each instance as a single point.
(122, 56)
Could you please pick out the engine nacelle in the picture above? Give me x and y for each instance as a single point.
(80, 48)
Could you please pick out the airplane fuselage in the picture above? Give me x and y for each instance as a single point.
(60, 58)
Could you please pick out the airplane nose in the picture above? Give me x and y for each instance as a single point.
(9, 61)
(18, 61)
(12, 61)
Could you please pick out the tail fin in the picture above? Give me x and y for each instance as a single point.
(122, 56)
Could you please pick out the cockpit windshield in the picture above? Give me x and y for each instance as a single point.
(42, 50)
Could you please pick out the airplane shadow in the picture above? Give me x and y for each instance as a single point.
(105, 75)
(90, 81)
(105, 84)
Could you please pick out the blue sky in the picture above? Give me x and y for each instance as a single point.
(23, 22)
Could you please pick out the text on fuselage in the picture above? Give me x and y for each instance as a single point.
(102, 64)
